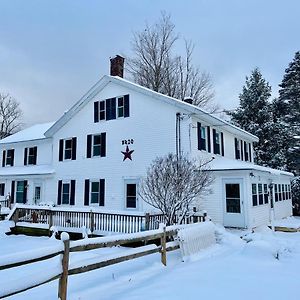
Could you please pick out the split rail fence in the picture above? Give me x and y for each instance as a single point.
(94, 221)
(160, 235)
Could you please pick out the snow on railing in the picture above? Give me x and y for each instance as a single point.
(193, 239)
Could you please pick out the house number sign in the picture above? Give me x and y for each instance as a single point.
(127, 153)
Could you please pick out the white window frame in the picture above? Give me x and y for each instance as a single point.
(62, 192)
(90, 195)
(28, 156)
(136, 182)
(102, 110)
(6, 158)
(93, 145)
(68, 149)
(121, 107)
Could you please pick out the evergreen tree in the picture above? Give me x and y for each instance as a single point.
(288, 112)
(254, 114)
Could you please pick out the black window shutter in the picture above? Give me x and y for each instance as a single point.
(113, 108)
(208, 139)
(74, 148)
(59, 187)
(246, 151)
(25, 156)
(25, 192)
(72, 195)
(12, 192)
(3, 158)
(242, 151)
(103, 144)
(250, 154)
(214, 141)
(89, 146)
(96, 112)
(102, 192)
(108, 109)
(35, 155)
(61, 150)
(222, 144)
(199, 135)
(86, 192)
(12, 157)
(236, 148)
(126, 106)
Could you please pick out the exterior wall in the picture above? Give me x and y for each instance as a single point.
(153, 132)
(262, 214)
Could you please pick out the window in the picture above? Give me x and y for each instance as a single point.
(279, 192)
(30, 156)
(131, 195)
(289, 191)
(8, 157)
(218, 143)
(254, 194)
(94, 192)
(67, 149)
(110, 109)
(283, 191)
(260, 194)
(233, 203)
(120, 107)
(276, 192)
(237, 148)
(246, 151)
(266, 200)
(2, 189)
(65, 193)
(96, 145)
(102, 110)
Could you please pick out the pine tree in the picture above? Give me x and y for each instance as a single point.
(288, 113)
(254, 114)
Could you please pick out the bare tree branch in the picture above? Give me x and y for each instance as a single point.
(173, 185)
(155, 66)
(10, 114)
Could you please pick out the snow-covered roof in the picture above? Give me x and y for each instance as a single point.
(222, 163)
(27, 170)
(106, 79)
(35, 132)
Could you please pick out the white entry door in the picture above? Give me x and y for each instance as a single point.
(233, 191)
(37, 193)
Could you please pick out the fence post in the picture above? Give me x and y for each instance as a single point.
(50, 221)
(204, 216)
(92, 221)
(63, 280)
(147, 221)
(163, 243)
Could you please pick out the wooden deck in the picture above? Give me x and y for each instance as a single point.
(90, 221)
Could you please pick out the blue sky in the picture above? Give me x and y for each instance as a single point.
(52, 52)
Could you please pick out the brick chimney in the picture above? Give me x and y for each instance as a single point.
(117, 66)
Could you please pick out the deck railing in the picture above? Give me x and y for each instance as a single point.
(97, 222)
(4, 203)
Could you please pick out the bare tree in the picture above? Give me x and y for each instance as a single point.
(10, 114)
(155, 66)
(173, 185)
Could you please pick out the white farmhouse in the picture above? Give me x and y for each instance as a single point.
(97, 152)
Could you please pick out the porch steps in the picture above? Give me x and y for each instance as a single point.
(286, 229)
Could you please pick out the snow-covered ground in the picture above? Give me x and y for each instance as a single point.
(264, 265)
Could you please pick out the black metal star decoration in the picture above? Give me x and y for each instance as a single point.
(127, 153)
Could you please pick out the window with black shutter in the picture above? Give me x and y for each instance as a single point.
(202, 140)
(66, 192)
(67, 149)
(237, 148)
(30, 156)
(9, 161)
(246, 151)
(216, 142)
(96, 145)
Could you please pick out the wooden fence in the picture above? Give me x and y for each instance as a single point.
(96, 222)
(81, 245)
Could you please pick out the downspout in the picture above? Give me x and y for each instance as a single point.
(178, 135)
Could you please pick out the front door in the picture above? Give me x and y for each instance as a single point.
(21, 191)
(233, 203)
(37, 194)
